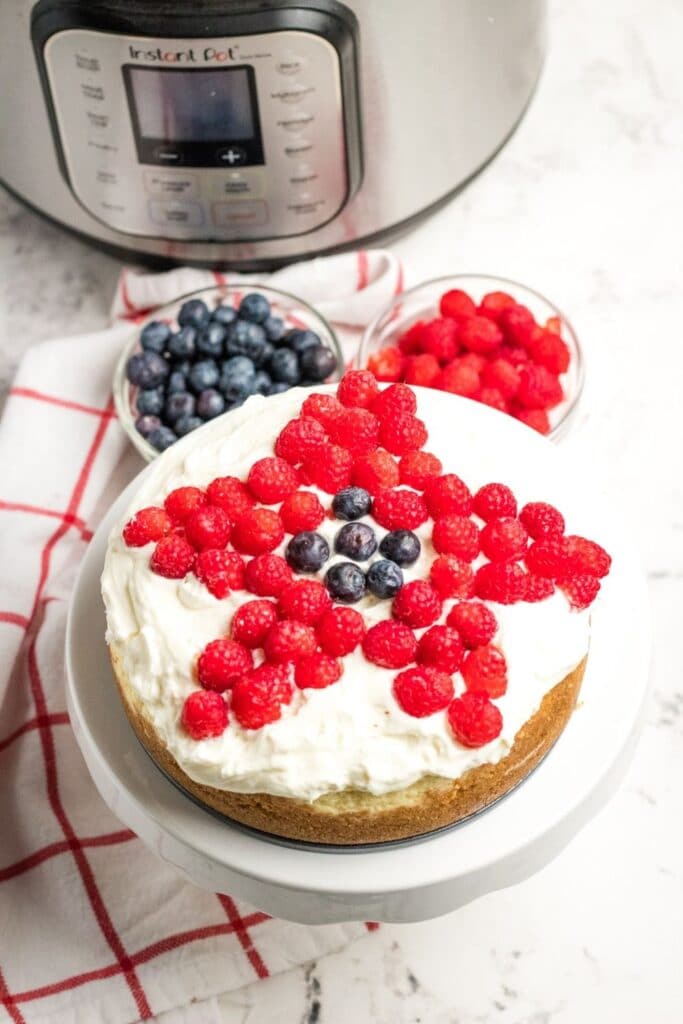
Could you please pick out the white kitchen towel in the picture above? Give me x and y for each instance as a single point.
(94, 929)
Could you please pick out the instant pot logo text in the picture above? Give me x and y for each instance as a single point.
(209, 55)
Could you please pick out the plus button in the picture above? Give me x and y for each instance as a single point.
(232, 155)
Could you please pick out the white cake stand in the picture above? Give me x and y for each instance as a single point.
(404, 882)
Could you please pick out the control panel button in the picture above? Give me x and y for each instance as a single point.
(98, 120)
(92, 92)
(290, 64)
(178, 214)
(240, 213)
(293, 94)
(86, 63)
(161, 183)
(233, 156)
(238, 183)
(298, 148)
(303, 175)
(295, 124)
(168, 154)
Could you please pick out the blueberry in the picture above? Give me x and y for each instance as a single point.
(193, 313)
(351, 503)
(181, 366)
(210, 340)
(345, 582)
(401, 546)
(300, 341)
(224, 315)
(150, 402)
(147, 370)
(162, 438)
(317, 363)
(384, 578)
(182, 344)
(185, 424)
(203, 374)
(210, 403)
(356, 541)
(154, 336)
(146, 424)
(237, 379)
(254, 307)
(245, 339)
(307, 551)
(177, 381)
(180, 403)
(284, 366)
(277, 388)
(262, 382)
(274, 326)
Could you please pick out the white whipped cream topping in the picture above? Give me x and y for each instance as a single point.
(353, 733)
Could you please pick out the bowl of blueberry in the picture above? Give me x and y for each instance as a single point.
(209, 351)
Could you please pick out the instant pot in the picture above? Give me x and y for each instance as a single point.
(253, 132)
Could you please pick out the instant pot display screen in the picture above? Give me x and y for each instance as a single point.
(202, 118)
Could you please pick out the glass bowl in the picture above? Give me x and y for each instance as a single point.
(293, 310)
(422, 302)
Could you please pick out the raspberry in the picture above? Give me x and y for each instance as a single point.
(173, 558)
(515, 356)
(493, 398)
(230, 494)
(493, 304)
(581, 591)
(147, 525)
(330, 468)
(485, 668)
(304, 600)
(548, 558)
(475, 623)
(323, 408)
(518, 325)
(398, 509)
(358, 389)
(410, 341)
(537, 419)
(448, 495)
(538, 388)
(541, 520)
(502, 375)
(289, 641)
(457, 303)
(317, 671)
(204, 715)
(504, 539)
(301, 511)
(456, 535)
(503, 582)
(182, 501)
(258, 698)
(396, 400)
(452, 578)
(459, 378)
(586, 558)
(537, 588)
(222, 663)
(375, 472)
(494, 500)
(251, 622)
(479, 334)
(357, 430)
(423, 691)
(387, 364)
(340, 630)
(258, 531)
(422, 370)
(474, 719)
(300, 438)
(548, 349)
(442, 648)
(417, 604)
(207, 527)
(220, 571)
(439, 339)
(267, 575)
(416, 468)
(271, 479)
(390, 644)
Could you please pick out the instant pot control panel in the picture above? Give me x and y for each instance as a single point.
(248, 136)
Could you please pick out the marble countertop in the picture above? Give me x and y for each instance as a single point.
(585, 205)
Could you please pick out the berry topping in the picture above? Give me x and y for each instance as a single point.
(352, 503)
(340, 630)
(375, 472)
(451, 577)
(204, 715)
(207, 527)
(317, 363)
(537, 419)
(300, 438)
(538, 388)
(474, 719)
(257, 699)
(345, 582)
(330, 468)
(399, 509)
(289, 641)
(456, 535)
(537, 588)
(504, 582)
(439, 339)
(485, 668)
(518, 324)
(251, 622)
(541, 520)
(475, 623)
(357, 430)
(422, 370)
(317, 671)
(230, 494)
(585, 557)
(417, 468)
(307, 551)
(356, 541)
(493, 304)
(301, 511)
(448, 495)
(504, 539)
(549, 350)
(220, 571)
(442, 648)
(384, 578)
(267, 575)
(548, 558)
(270, 480)
(401, 434)
(222, 663)
(459, 378)
(581, 591)
(457, 303)
(149, 524)
(479, 334)
(258, 531)
(417, 604)
(396, 400)
(184, 500)
(323, 408)
(423, 691)
(400, 546)
(357, 388)
(503, 376)
(390, 644)
(387, 364)
(304, 600)
(173, 558)
(494, 500)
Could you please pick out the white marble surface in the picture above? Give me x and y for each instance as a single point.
(585, 203)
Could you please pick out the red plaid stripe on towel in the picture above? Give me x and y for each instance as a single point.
(82, 941)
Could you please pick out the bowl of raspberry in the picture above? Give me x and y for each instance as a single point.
(485, 338)
(206, 353)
